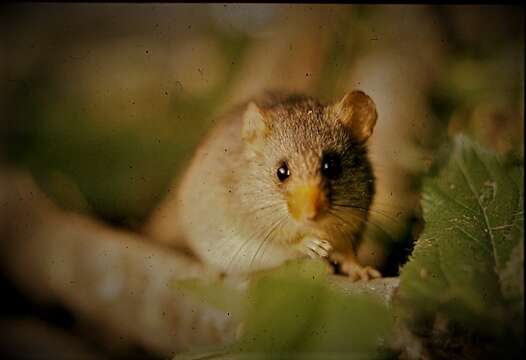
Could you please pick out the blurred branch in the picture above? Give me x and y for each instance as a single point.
(290, 57)
(110, 277)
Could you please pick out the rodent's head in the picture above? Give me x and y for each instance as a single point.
(310, 160)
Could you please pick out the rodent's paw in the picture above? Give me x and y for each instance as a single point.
(315, 247)
(357, 272)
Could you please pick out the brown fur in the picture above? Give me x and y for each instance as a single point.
(231, 208)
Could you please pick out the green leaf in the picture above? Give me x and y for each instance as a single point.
(294, 312)
(468, 263)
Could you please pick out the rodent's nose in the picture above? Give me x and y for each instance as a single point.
(306, 202)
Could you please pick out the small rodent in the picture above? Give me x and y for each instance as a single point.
(279, 177)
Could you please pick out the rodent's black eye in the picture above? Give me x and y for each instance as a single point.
(283, 172)
(331, 166)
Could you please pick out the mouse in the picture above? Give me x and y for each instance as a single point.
(278, 177)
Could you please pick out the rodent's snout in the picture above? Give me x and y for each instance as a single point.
(307, 202)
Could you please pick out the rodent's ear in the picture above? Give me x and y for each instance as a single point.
(254, 126)
(358, 112)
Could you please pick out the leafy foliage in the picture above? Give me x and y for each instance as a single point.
(294, 312)
(467, 267)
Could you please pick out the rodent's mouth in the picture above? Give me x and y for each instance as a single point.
(313, 226)
(307, 203)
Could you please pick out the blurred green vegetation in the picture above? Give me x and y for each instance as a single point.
(467, 266)
(94, 109)
(113, 162)
(294, 312)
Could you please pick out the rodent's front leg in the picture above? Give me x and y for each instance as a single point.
(350, 266)
(314, 247)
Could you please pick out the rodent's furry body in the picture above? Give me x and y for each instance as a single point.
(232, 210)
